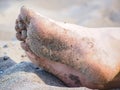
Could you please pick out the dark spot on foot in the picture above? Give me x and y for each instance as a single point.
(77, 59)
(75, 79)
(65, 74)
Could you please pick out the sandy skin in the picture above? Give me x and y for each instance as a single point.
(77, 55)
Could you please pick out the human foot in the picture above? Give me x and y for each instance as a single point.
(69, 44)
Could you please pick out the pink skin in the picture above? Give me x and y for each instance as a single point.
(69, 75)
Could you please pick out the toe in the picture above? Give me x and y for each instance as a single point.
(17, 26)
(18, 35)
(26, 14)
(22, 35)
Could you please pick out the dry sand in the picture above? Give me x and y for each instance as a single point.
(15, 75)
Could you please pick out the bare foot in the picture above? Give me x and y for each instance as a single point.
(79, 51)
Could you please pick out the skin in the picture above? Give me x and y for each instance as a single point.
(79, 56)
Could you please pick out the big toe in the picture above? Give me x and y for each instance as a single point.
(26, 14)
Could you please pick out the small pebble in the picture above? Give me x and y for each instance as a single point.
(5, 58)
(37, 68)
(23, 56)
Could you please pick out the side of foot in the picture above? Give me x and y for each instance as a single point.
(54, 42)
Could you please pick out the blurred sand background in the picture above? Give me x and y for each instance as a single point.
(89, 13)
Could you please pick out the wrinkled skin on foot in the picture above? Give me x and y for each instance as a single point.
(77, 55)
